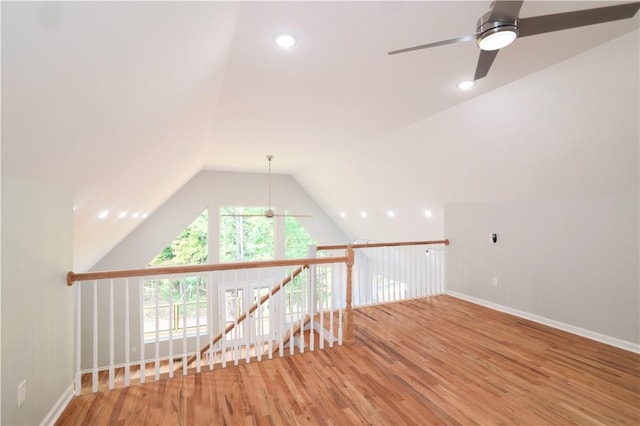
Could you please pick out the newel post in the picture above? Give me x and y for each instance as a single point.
(348, 326)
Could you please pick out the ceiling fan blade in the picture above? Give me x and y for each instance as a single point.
(294, 215)
(484, 63)
(505, 10)
(437, 43)
(243, 215)
(579, 18)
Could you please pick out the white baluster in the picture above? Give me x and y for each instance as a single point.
(223, 322)
(443, 271)
(367, 276)
(210, 322)
(171, 326)
(341, 290)
(236, 344)
(271, 335)
(248, 326)
(259, 324)
(331, 306)
(303, 287)
(94, 372)
(235, 351)
(78, 377)
(392, 269)
(323, 299)
(111, 337)
(419, 255)
(127, 336)
(291, 316)
(427, 272)
(156, 301)
(415, 285)
(436, 274)
(312, 305)
(142, 354)
(183, 295)
(281, 319)
(198, 283)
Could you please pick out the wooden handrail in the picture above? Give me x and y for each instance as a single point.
(370, 245)
(171, 270)
(251, 310)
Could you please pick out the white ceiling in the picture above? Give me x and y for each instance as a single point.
(122, 102)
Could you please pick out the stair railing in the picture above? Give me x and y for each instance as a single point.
(252, 309)
(113, 348)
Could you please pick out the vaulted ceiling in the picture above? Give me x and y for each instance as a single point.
(123, 102)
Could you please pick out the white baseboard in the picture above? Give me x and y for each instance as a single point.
(612, 341)
(59, 406)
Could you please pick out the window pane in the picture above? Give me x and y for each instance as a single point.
(188, 248)
(164, 319)
(297, 239)
(245, 238)
(191, 317)
(233, 304)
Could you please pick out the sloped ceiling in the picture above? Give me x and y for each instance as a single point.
(122, 102)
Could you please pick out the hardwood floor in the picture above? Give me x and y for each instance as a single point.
(436, 360)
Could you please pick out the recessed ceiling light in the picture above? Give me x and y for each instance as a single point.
(466, 85)
(144, 215)
(363, 214)
(391, 213)
(285, 41)
(122, 215)
(343, 214)
(135, 215)
(103, 214)
(428, 213)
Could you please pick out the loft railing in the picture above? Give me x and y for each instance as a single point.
(389, 272)
(129, 327)
(252, 310)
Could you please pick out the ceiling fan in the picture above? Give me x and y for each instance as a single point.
(501, 26)
(270, 213)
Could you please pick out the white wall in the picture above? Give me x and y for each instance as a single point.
(555, 174)
(37, 345)
(574, 261)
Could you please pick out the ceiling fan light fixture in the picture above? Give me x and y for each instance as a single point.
(497, 37)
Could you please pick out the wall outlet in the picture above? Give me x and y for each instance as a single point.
(22, 392)
(494, 281)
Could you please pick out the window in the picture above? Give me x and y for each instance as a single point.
(188, 248)
(297, 239)
(245, 234)
(175, 305)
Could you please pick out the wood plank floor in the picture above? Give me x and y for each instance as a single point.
(437, 360)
